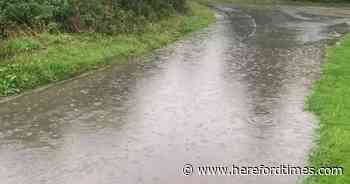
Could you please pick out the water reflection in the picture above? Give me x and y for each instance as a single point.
(233, 93)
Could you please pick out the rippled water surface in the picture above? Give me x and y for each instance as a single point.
(231, 94)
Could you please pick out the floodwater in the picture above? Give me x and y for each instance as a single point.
(230, 94)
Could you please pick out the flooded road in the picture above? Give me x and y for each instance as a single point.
(231, 94)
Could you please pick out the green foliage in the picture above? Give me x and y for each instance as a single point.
(18, 45)
(47, 58)
(110, 16)
(330, 101)
(29, 12)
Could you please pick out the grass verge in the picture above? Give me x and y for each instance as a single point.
(29, 62)
(330, 101)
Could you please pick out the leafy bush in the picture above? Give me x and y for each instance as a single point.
(109, 16)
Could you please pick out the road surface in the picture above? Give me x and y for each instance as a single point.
(230, 94)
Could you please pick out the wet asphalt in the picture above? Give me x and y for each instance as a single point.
(233, 93)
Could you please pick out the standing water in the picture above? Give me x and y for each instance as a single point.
(231, 94)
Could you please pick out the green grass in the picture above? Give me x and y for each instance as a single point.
(330, 101)
(29, 62)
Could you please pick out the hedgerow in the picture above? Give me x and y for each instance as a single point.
(106, 16)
